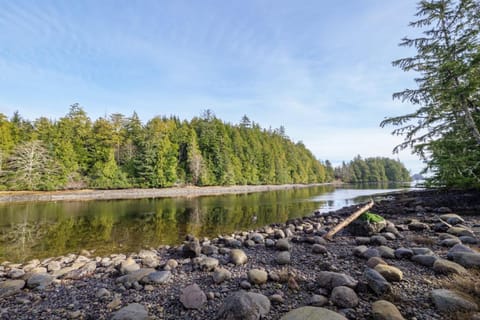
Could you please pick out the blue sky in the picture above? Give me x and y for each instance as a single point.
(321, 68)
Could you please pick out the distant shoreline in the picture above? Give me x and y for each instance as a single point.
(122, 194)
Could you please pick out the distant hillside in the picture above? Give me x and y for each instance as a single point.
(122, 152)
(372, 170)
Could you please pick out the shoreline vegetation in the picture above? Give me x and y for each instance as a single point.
(122, 194)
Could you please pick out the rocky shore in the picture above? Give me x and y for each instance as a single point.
(421, 263)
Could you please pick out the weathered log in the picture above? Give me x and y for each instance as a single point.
(347, 221)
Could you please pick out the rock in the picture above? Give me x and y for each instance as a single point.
(209, 249)
(362, 240)
(466, 259)
(10, 287)
(147, 254)
(450, 242)
(424, 251)
(378, 240)
(129, 266)
(377, 282)
(256, 237)
(283, 258)
(249, 243)
(390, 273)
(39, 281)
(386, 252)
(360, 250)
(191, 249)
(444, 210)
(220, 275)
(443, 266)
(370, 253)
(279, 234)
(54, 266)
(330, 280)
(312, 313)
(384, 310)
(238, 256)
(134, 311)
(150, 262)
(425, 260)
(170, 265)
(459, 248)
(193, 297)
(276, 298)
(468, 240)
(283, 245)
(344, 297)
(208, 264)
(389, 235)
(418, 226)
(115, 303)
(460, 231)
(102, 293)
(318, 300)
(243, 305)
(135, 276)
(403, 253)
(157, 277)
(257, 276)
(15, 273)
(269, 243)
(318, 248)
(83, 272)
(364, 228)
(245, 285)
(373, 261)
(451, 301)
(452, 218)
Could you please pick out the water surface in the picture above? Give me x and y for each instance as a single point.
(45, 229)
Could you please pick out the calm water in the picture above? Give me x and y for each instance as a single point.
(37, 230)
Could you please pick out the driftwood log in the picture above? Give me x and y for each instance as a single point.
(347, 221)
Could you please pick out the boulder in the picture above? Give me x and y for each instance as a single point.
(425, 260)
(377, 282)
(344, 297)
(452, 218)
(443, 266)
(39, 281)
(10, 287)
(193, 297)
(452, 301)
(312, 313)
(134, 311)
(467, 259)
(384, 310)
(238, 256)
(390, 273)
(364, 228)
(243, 305)
(257, 276)
(330, 280)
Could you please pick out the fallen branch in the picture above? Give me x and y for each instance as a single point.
(347, 221)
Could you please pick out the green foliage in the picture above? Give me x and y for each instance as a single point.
(371, 217)
(372, 170)
(120, 152)
(444, 130)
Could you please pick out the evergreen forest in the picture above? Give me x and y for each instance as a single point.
(115, 152)
(376, 169)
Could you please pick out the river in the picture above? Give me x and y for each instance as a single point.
(46, 229)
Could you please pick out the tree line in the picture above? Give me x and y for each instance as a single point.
(122, 152)
(372, 170)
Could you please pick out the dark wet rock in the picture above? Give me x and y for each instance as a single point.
(133, 311)
(377, 282)
(10, 287)
(238, 257)
(424, 260)
(330, 280)
(193, 297)
(390, 273)
(452, 301)
(344, 297)
(257, 276)
(385, 310)
(403, 253)
(312, 313)
(443, 266)
(243, 305)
